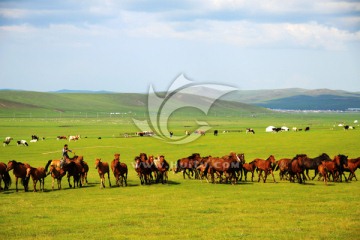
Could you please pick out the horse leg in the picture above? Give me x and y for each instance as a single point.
(316, 172)
(260, 175)
(272, 173)
(34, 183)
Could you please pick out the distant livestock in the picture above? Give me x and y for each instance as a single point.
(347, 127)
(74, 138)
(61, 137)
(22, 142)
(250, 130)
(216, 132)
(7, 141)
(307, 129)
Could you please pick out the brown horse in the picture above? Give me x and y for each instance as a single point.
(296, 168)
(313, 163)
(283, 166)
(143, 170)
(249, 167)
(188, 165)
(37, 174)
(336, 166)
(19, 170)
(323, 171)
(227, 165)
(351, 166)
(55, 171)
(265, 166)
(103, 168)
(4, 176)
(162, 167)
(120, 171)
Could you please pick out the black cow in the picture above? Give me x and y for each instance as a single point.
(307, 129)
(216, 132)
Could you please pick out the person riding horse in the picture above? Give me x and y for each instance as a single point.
(64, 155)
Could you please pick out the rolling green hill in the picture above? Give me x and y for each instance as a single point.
(96, 104)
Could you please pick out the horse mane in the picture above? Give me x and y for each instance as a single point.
(299, 155)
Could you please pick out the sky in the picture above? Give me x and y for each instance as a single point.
(126, 46)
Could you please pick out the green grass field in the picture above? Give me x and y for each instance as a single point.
(182, 209)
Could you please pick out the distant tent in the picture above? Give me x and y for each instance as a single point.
(356, 121)
(269, 129)
(283, 128)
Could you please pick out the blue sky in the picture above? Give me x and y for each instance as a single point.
(126, 46)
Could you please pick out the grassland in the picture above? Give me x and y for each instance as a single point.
(187, 209)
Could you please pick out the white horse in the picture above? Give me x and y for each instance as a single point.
(74, 138)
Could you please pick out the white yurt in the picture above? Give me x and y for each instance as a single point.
(269, 129)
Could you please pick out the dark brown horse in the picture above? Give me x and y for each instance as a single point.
(4, 176)
(19, 170)
(53, 167)
(143, 169)
(120, 171)
(313, 163)
(103, 168)
(37, 174)
(265, 166)
(188, 165)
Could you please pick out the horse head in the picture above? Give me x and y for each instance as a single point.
(11, 164)
(97, 162)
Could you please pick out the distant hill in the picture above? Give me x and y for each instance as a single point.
(298, 99)
(134, 104)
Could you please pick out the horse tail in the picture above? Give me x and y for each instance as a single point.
(177, 166)
(47, 165)
(277, 167)
(7, 179)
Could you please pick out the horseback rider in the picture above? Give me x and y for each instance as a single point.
(64, 155)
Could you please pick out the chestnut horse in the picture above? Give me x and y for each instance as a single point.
(313, 163)
(336, 166)
(143, 170)
(120, 171)
(103, 168)
(283, 166)
(55, 171)
(19, 170)
(249, 167)
(37, 174)
(323, 171)
(265, 166)
(4, 176)
(351, 167)
(296, 168)
(227, 165)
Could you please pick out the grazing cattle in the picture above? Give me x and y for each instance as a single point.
(37, 174)
(307, 129)
(216, 132)
(61, 137)
(283, 166)
(7, 141)
(250, 130)
(249, 167)
(22, 142)
(19, 171)
(4, 176)
(295, 129)
(103, 168)
(276, 129)
(74, 138)
(265, 166)
(120, 171)
(55, 171)
(34, 137)
(347, 127)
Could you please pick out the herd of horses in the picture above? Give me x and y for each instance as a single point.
(231, 168)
